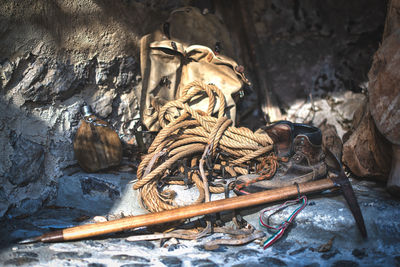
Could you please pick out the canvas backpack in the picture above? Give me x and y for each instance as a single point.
(188, 47)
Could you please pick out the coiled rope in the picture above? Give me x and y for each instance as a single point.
(197, 137)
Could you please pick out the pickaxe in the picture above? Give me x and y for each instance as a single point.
(89, 230)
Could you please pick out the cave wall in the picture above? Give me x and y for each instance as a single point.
(53, 56)
(316, 46)
(56, 54)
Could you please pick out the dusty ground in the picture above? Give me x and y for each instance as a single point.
(326, 218)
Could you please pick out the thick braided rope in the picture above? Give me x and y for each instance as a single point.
(186, 136)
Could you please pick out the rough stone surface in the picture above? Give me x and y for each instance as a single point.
(336, 109)
(27, 162)
(105, 193)
(37, 138)
(384, 89)
(312, 48)
(54, 56)
(171, 261)
(327, 216)
(366, 152)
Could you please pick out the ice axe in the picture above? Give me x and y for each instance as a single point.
(333, 181)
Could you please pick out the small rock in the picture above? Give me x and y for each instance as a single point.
(204, 263)
(20, 261)
(345, 263)
(84, 255)
(173, 247)
(349, 104)
(27, 162)
(71, 255)
(98, 219)
(327, 256)
(114, 240)
(171, 261)
(297, 251)
(93, 243)
(359, 253)
(229, 257)
(96, 265)
(102, 102)
(38, 245)
(271, 261)
(124, 257)
(26, 254)
(66, 255)
(283, 246)
(169, 242)
(243, 254)
(144, 244)
(93, 186)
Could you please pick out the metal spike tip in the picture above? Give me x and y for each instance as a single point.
(30, 240)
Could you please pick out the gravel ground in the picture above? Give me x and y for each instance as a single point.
(326, 218)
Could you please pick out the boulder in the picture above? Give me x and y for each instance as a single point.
(384, 90)
(366, 153)
(384, 100)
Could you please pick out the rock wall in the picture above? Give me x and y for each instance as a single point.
(314, 47)
(372, 149)
(53, 56)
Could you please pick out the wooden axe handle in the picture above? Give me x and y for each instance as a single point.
(90, 230)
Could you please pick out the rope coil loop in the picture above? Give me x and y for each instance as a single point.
(187, 136)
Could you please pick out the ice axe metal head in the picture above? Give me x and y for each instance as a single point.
(342, 181)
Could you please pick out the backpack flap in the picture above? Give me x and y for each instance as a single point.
(203, 65)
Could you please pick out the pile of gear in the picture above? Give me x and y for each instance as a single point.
(188, 97)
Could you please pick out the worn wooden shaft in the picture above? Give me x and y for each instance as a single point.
(244, 201)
